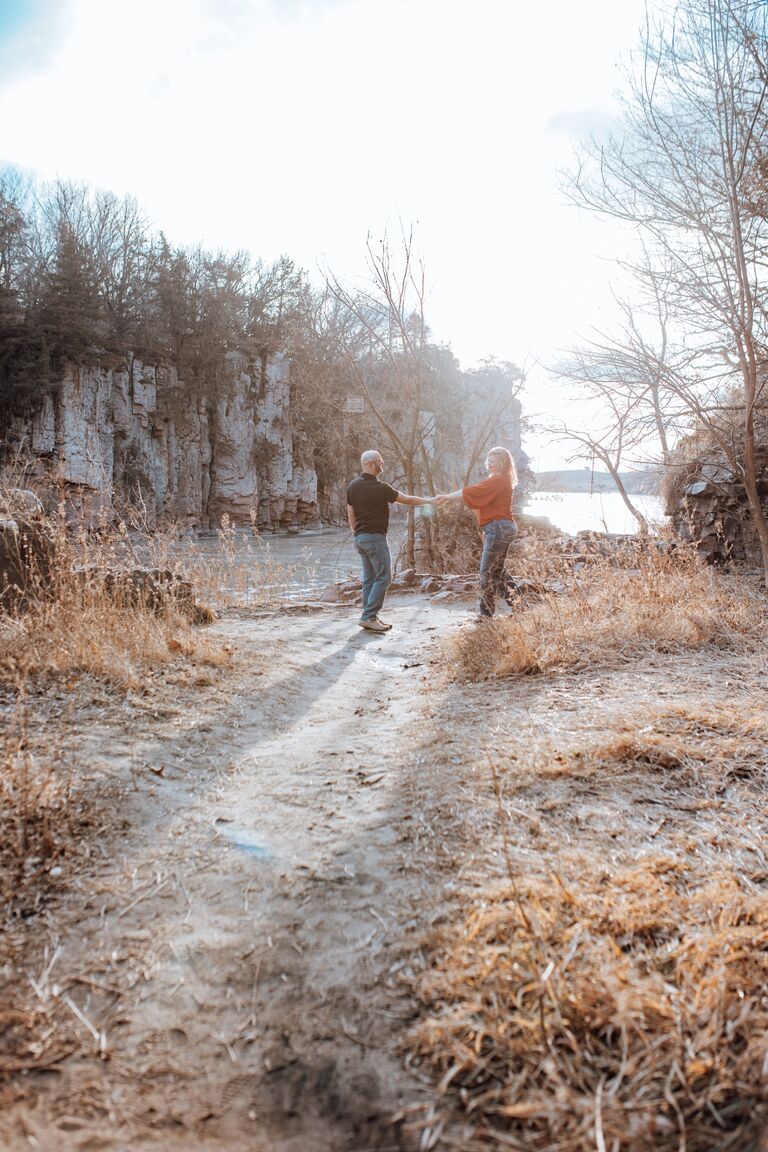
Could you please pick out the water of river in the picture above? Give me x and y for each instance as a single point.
(573, 512)
(292, 565)
(307, 563)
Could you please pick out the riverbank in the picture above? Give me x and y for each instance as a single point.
(281, 919)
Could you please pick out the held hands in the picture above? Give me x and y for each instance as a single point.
(439, 500)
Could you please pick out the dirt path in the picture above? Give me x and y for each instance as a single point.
(230, 967)
(233, 967)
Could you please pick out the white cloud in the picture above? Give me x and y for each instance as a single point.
(297, 126)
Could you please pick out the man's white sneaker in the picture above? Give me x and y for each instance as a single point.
(374, 626)
(386, 623)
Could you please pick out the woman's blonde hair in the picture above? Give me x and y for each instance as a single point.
(507, 463)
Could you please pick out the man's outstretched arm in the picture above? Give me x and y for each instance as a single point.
(402, 498)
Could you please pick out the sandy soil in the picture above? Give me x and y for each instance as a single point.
(229, 960)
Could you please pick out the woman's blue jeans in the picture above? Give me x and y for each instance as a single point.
(373, 550)
(497, 537)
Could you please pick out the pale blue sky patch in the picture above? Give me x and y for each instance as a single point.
(582, 124)
(30, 33)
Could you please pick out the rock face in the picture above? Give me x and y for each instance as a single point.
(712, 513)
(136, 436)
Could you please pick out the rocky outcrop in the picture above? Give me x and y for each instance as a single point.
(711, 511)
(289, 494)
(136, 436)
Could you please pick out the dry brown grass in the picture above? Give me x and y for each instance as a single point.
(37, 816)
(616, 1012)
(88, 636)
(79, 627)
(609, 993)
(708, 748)
(607, 615)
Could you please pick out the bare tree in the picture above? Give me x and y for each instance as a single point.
(607, 444)
(392, 372)
(427, 412)
(683, 169)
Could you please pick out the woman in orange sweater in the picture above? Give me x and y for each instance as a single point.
(492, 501)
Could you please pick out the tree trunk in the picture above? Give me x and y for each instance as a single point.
(661, 429)
(753, 494)
(641, 520)
(410, 532)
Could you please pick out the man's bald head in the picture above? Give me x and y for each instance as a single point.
(372, 462)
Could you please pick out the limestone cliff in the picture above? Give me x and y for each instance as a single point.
(136, 435)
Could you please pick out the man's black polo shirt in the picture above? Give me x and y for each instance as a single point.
(370, 499)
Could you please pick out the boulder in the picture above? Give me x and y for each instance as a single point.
(153, 588)
(21, 504)
(330, 595)
(536, 525)
(27, 558)
(717, 473)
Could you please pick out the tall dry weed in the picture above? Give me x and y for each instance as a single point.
(71, 618)
(606, 614)
(236, 568)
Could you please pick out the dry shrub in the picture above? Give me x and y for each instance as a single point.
(72, 621)
(623, 1012)
(448, 540)
(92, 606)
(608, 615)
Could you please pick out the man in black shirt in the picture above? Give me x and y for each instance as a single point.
(368, 501)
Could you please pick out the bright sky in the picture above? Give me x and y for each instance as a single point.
(298, 126)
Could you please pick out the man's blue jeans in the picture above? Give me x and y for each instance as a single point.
(497, 537)
(373, 550)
